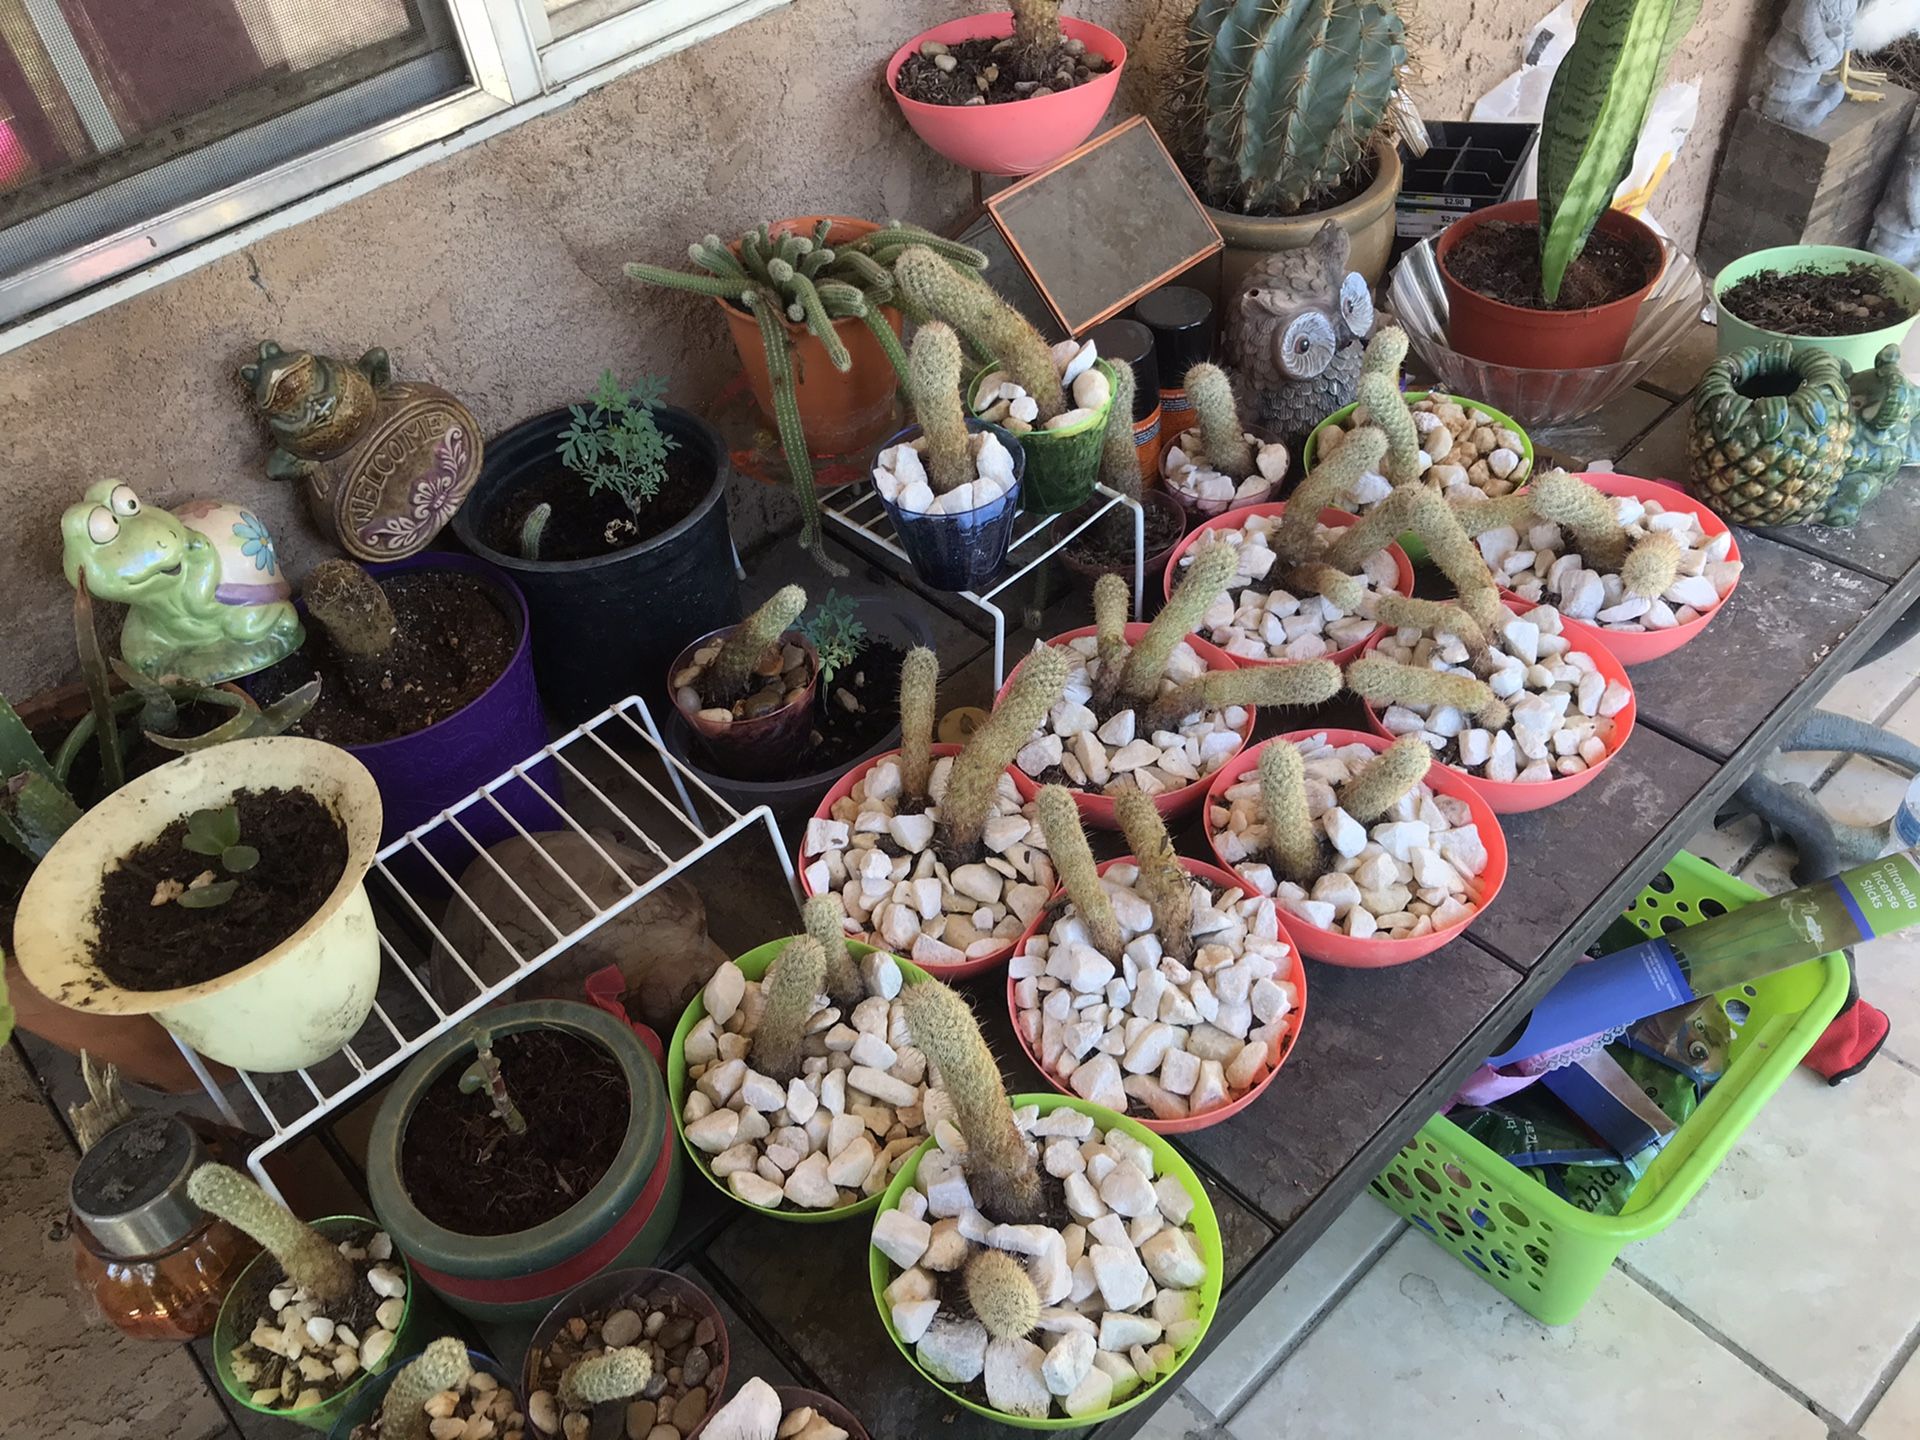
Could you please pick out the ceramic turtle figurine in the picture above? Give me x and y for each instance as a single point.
(384, 463)
(1886, 436)
(207, 598)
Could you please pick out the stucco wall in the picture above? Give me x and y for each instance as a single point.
(496, 271)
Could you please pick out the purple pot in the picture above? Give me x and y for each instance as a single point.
(761, 748)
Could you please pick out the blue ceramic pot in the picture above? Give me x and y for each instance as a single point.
(964, 551)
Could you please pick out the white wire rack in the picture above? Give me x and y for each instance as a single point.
(857, 510)
(458, 929)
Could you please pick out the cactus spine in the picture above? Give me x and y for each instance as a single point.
(1388, 776)
(1212, 569)
(611, 1375)
(933, 384)
(977, 769)
(1651, 566)
(1163, 879)
(919, 679)
(1386, 352)
(1110, 611)
(792, 983)
(1079, 876)
(1000, 1166)
(1384, 681)
(306, 1257)
(1387, 408)
(1002, 1295)
(1291, 838)
(1330, 483)
(1226, 443)
(971, 306)
(443, 1365)
(1305, 682)
(729, 673)
(1576, 505)
(824, 919)
(1476, 517)
(1119, 457)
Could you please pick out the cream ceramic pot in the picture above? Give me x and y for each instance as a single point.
(290, 1007)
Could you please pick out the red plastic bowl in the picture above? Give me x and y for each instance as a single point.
(1627, 646)
(1173, 805)
(1510, 797)
(1333, 949)
(842, 788)
(1283, 1045)
(1234, 519)
(1018, 136)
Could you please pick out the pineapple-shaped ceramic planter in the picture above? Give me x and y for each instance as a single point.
(1769, 439)
(384, 462)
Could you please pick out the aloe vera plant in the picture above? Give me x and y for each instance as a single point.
(1595, 111)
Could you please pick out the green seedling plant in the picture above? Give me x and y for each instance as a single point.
(836, 634)
(614, 443)
(216, 835)
(484, 1076)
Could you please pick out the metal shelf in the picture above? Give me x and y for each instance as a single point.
(856, 509)
(609, 784)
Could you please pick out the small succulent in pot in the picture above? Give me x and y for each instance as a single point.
(749, 690)
(613, 444)
(1220, 465)
(441, 1395)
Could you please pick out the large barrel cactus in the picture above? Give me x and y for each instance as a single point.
(1286, 96)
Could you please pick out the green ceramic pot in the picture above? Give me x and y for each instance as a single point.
(623, 1220)
(1062, 465)
(1734, 334)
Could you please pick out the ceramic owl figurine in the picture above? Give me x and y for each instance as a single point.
(1295, 335)
(384, 462)
(206, 596)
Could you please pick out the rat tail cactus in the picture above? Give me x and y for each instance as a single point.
(1575, 505)
(1002, 1295)
(1651, 566)
(1476, 517)
(1388, 776)
(1002, 1171)
(729, 674)
(1305, 682)
(1330, 483)
(443, 1365)
(796, 977)
(1163, 879)
(617, 1374)
(972, 307)
(1387, 408)
(1346, 591)
(1111, 607)
(1383, 681)
(919, 681)
(1206, 579)
(933, 384)
(977, 770)
(1220, 432)
(1403, 612)
(306, 1256)
(1386, 352)
(1119, 456)
(1291, 837)
(824, 918)
(1079, 875)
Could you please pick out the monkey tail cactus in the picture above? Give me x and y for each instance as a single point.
(919, 678)
(1163, 879)
(1404, 612)
(1329, 483)
(1346, 591)
(1387, 408)
(977, 769)
(1388, 776)
(1226, 443)
(443, 1365)
(1002, 1171)
(1119, 457)
(617, 1374)
(1110, 611)
(824, 918)
(1386, 352)
(1650, 567)
(1308, 682)
(1567, 501)
(1476, 517)
(1212, 570)
(1079, 876)
(1384, 681)
(972, 307)
(1002, 1295)
(1291, 838)
(933, 384)
(306, 1257)
(792, 982)
(1295, 92)
(729, 674)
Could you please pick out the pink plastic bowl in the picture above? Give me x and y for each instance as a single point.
(842, 788)
(1296, 975)
(1234, 519)
(1506, 797)
(1637, 648)
(1334, 949)
(1019, 136)
(1173, 805)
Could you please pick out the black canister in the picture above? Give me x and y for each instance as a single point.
(1181, 319)
(1123, 341)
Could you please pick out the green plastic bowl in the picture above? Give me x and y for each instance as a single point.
(1167, 1161)
(754, 965)
(1732, 333)
(1063, 464)
(1410, 542)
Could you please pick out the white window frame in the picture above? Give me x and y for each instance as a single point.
(518, 70)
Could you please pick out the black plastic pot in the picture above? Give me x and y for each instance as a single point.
(606, 627)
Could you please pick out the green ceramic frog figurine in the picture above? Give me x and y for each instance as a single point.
(207, 599)
(1885, 438)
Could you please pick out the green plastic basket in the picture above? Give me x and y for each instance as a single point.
(1548, 1256)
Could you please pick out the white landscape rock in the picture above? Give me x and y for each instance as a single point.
(1469, 452)
(1208, 490)
(1000, 401)
(754, 1413)
(900, 475)
(1556, 573)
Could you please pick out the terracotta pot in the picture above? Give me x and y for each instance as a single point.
(1367, 219)
(1525, 339)
(840, 412)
